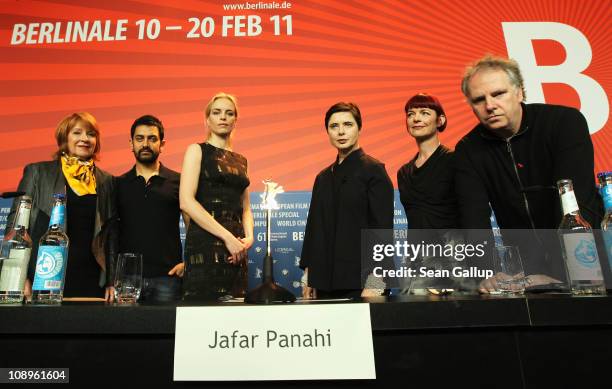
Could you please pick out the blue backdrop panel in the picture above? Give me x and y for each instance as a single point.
(288, 225)
(5, 208)
(287, 235)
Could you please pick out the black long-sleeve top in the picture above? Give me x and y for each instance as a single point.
(428, 192)
(518, 176)
(346, 199)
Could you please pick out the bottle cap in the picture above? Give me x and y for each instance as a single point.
(604, 174)
(564, 181)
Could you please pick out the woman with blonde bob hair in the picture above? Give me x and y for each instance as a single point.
(90, 206)
(214, 194)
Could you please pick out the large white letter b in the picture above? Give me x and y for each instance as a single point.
(593, 98)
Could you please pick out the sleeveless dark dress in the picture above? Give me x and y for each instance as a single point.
(208, 274)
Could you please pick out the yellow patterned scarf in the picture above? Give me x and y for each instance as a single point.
(79, 174)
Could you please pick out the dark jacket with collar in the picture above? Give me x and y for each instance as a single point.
(518, 178)
(364, 200)
(40, 181)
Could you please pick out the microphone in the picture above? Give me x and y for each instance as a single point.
(8, 195)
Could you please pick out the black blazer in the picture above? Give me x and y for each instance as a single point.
(364, 200)
(40, 181)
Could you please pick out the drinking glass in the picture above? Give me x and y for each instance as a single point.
(509, 272)
(128, 278)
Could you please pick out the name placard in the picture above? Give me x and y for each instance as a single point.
(288, 342)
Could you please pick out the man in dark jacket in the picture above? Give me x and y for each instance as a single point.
(513, 159)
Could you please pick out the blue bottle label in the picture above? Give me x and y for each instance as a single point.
(606, 193)
(607, 235)
(582, 260)
(50, 268)
(57, 215)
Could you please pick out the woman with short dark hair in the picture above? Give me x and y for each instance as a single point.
(426, 182)
(351, 195)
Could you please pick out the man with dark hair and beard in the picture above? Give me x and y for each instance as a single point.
(149, 213)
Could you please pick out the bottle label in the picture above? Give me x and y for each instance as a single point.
(24, 216)
(50, 268)
(569, 203)
(582, 260)
(606, 193)
(57, 215)
(14, 270)
(607, 235)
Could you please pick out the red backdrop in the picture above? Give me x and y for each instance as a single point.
(375, 53)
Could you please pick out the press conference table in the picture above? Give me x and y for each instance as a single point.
(537, 341)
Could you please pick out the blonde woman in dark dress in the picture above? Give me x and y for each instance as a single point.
(213, 193)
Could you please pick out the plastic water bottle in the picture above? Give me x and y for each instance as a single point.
(48, 287)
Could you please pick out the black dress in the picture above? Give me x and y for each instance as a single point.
(82, 271)
(208, 274)
(427, 192)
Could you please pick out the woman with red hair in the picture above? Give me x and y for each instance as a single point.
(426, 182)
(89, 202)
(426, 186)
